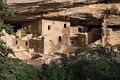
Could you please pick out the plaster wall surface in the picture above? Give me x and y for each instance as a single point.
(20, 52)
(56, 36)
(74, 31)
(113, 36)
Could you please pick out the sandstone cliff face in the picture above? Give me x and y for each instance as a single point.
(85, 12)
(30, 1)
(89, 10)
(89, 13)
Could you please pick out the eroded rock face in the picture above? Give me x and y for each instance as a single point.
(89, 13)
(22, 1)
(71, 1)
(60, 9)
(30, 1)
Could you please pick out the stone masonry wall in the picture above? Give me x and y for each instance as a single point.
(56, 36)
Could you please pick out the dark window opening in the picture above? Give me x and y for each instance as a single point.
(27, 27)
(71, 42)
(26, 43)
(60, 39)
(49, 27)
(90, 28)
(79, 30)
(65, 25)
(16, 42)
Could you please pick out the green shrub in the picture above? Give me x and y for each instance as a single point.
(87, 64)
(54, 71)
(14, 69)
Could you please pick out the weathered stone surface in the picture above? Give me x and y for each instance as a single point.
(30, 1)
(64, 24)
(88, 10)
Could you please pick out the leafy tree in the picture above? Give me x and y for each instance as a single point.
(99, 53)
(5, 10)
(4, 50)
(14, 69)
(87, 64)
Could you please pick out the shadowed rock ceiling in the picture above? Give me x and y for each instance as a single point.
(88, 10)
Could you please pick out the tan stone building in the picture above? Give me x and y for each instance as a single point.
(43, 36)
(52, 35)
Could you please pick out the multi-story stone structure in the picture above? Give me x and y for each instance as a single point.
(63, 28)
(43, 36)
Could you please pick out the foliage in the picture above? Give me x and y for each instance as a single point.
(52, 72)
(99, 53)
(7, 27)
(87, 64)
(14, 69)
(4, 8)
(4, 49)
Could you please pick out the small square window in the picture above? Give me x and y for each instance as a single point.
(79, 30)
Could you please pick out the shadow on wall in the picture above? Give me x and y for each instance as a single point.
(114, 1)
(94, 35)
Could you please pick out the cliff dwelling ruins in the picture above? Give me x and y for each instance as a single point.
(51, 27)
